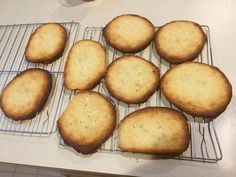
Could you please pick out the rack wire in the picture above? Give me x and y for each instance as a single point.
(204, 144)
(13, 40)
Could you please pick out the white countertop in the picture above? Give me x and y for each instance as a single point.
(44, 151)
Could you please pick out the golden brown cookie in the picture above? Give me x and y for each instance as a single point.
(197, 88)
(129, 33)
(155, 130)
(179, 41)
(26, 94)
(132, 79)
(46, 43)
(87, 122)
(85, 65)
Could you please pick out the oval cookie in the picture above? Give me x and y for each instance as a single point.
(197, 88)
(26, 94)
(179, 41)
(132, 79)
(87, 122)
(46, 43)
(85, 65)
(129, 33)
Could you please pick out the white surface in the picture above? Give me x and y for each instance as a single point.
(219, 15)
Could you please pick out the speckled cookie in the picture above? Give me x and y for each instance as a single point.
(197, 88)
(132, 79)
(155, 130)
(87, 122)
(46, 43)
(85, 65)
(26, 94)
(129, 33)
(179, 41)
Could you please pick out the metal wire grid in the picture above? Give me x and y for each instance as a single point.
(13, 40)
(204, 144)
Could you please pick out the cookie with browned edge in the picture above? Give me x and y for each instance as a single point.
(179, 41)
(46, 43)
(26, 94)
(197, 88)
(129, 33)
(87, 122)
(85, 65)
(132, 79)
(154, 130)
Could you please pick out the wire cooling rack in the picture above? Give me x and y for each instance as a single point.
(13, 40)
(204, 144)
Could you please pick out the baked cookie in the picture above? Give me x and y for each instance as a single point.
(85, 65)
(132, 79)
(129, 33)
(87, 122)
(179, 41)
(155, 130)
(26, 94)
(46, 43)
(197, 88)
